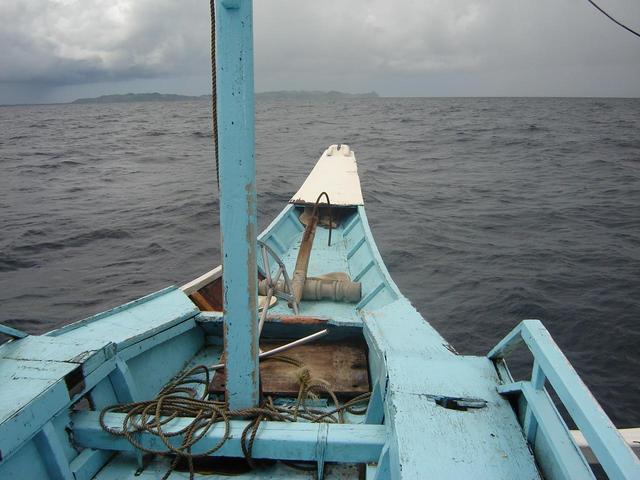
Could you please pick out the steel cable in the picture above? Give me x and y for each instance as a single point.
(612, 19)
(214, 92)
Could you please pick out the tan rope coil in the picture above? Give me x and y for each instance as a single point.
(180, 399)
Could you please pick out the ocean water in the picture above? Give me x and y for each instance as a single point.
(486, 211)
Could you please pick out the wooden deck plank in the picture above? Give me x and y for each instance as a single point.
(485, 443)
(131, 322)
(89, 353)
(124, 467)
(430, 440)
(25, 383)
(342, 365)
(398, 327)
(23, 380)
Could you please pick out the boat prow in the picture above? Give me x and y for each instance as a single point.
(352, 250)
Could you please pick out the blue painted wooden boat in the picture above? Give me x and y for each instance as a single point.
(340, 378)
(431, 411)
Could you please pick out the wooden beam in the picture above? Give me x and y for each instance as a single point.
(50, 446)
(12, 332)
(237, 175)
(201, 302)
(202, 281)
(615, 456)
(566, 453)
(347, 443)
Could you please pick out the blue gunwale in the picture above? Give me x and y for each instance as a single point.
(107, 313)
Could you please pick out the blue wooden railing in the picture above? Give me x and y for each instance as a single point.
(11, 332)
(563, 458)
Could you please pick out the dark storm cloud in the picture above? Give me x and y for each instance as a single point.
(427, 47)
(67, 42)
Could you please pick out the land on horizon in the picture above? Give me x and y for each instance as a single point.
(170, 97)
(272, 95)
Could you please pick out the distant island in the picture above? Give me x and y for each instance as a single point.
(314, 93)
(171, 97)
(139, 97)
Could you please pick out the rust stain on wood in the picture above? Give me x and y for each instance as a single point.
(297, 320)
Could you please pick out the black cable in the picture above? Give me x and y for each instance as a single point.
(613, 19)
(214, 93)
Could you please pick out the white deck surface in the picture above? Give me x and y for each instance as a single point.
(335, 173)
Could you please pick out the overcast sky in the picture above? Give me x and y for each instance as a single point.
(59, 50)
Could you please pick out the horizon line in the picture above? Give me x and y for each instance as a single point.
(327, 92)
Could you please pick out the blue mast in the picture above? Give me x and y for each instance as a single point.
(237, 172)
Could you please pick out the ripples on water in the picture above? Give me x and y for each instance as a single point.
(487, 211)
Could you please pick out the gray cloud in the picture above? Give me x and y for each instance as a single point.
(404, 47)
(66, 42)
(507, 43)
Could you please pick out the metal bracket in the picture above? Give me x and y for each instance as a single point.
(458, 403)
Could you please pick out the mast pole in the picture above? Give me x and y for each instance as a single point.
(237, 173)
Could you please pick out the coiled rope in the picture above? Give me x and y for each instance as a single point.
(181, 399)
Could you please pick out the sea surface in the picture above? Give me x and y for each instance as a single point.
(486, 211)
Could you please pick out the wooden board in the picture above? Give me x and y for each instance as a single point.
(342, 365)
(336, 173)
(209, 298)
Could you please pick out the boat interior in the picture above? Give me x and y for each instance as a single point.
(374, 390)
